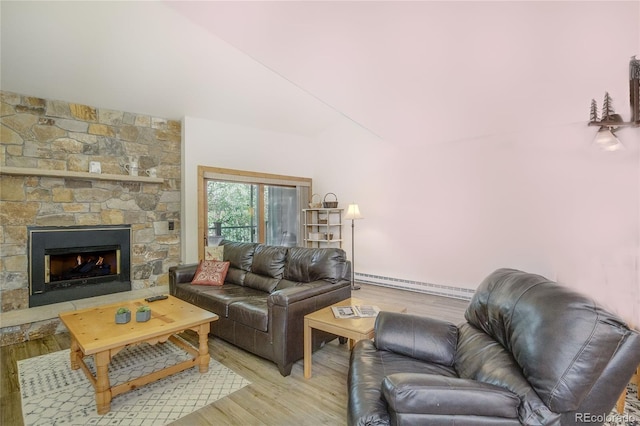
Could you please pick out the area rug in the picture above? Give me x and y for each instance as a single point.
(53, 394)
(631, 414)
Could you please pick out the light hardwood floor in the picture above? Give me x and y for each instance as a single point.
(270, 399)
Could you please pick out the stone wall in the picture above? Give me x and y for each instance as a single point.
(57, 135)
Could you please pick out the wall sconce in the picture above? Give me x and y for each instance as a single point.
(610, 122)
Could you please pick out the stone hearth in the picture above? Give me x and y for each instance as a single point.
(45, 150)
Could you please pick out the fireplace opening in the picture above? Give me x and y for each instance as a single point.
(67, 267)
(69, 263)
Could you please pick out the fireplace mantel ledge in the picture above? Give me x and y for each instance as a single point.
(42, 313)
(27, 171)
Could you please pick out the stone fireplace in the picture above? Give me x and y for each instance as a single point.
(70, 263)
(46, 147)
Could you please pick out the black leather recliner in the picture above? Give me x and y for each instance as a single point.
(531, 352)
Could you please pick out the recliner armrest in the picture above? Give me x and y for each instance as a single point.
(419, 337)
(411, 393)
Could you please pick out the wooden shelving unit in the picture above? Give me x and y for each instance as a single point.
(323, 227)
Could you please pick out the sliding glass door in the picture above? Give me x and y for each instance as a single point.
(248, 206)
(282, 219)
(246, 212)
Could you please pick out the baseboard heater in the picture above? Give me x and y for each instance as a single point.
(419, 286)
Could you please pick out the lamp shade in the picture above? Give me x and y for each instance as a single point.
(607, 141)
(353, 212)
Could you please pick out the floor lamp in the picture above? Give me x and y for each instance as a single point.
(353, 213)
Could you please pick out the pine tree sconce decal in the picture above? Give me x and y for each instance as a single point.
(610, 122)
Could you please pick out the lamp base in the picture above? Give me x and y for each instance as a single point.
(355, 286)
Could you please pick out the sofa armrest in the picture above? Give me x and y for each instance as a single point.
(429, 394)
(181, 274)
(287, 308)
(416, 336)
(302, 291)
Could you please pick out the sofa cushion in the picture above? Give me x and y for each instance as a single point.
(235, 276)
(260, 282)
(214, 253)
(213, 298)
(524, 313)
(312, 264)
(239, 255)
(410, 393)
(269, 261)
(252, 312)
(210, 272)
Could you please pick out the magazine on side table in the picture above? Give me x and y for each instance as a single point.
(355, 311)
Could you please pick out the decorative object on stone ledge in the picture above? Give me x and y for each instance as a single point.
(132, 167)
(610, 122)
(143, 314)
(123, 316)
(94, 167)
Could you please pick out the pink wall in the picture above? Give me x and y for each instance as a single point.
(469, 148)
(510, 179)
(542, 200)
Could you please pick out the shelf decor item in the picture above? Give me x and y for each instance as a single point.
(123, 315)
(315, 204)
(143, 314)
(330, 204)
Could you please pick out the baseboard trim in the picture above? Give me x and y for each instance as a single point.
(419, 286)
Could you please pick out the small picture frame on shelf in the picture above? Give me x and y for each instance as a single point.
(94, 167)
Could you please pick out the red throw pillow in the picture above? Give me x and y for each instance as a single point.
(210, 272)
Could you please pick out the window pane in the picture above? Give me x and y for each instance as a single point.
(281, 215)
(231, 211)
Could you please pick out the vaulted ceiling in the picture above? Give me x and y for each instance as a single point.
(409, 72)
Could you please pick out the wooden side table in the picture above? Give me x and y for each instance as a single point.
(353, 329)
(623, 397)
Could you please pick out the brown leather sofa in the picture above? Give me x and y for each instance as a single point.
(531, 352)
(267, 292)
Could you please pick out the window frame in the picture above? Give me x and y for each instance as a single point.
(241, 176)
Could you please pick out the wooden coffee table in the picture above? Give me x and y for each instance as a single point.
(353, 329)
(93, 331)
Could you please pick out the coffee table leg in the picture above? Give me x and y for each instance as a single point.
(203, 349)
(307, 349)
(75, 353)
(103, 387)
